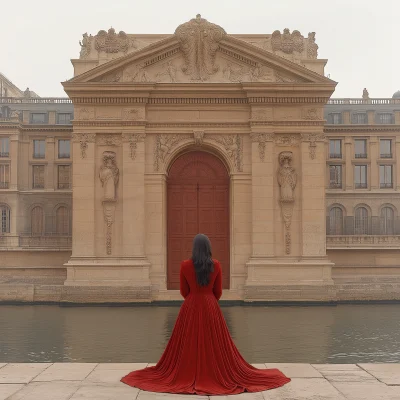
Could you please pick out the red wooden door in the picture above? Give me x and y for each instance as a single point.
(198, 202)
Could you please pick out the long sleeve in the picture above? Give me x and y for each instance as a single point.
(217, 289)
(184, 286)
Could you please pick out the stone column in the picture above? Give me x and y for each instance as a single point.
(13, 179)
(373, 156)
(83, 195)
(348, 157)
(262, 188)
(313, 214)
(133, 194)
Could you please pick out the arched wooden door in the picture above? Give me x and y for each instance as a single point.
(197, 202)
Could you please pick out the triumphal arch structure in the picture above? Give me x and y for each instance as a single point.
(198, 131)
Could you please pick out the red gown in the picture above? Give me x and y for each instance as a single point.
(200, 356)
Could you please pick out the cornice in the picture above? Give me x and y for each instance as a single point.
(361, 128)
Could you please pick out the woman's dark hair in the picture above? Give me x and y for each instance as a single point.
(202, 259)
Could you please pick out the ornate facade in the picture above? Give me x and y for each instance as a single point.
(234, 136)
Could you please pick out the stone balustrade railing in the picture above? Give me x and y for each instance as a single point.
(363, 241)
(363, 101)
(35, 100)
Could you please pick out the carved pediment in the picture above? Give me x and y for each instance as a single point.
(200, 51)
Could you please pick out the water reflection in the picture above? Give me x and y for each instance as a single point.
(325, 334)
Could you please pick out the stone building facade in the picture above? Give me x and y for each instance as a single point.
(165, 136)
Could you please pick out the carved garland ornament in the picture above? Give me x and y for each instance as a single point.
(84, 139)
(287, 180)
(109, 140)
(313, 138)
(262, 139)
(133, 140)
(199, 42)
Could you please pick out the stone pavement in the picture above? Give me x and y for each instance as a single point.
(75, 381)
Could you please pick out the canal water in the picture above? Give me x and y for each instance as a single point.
(275, 334)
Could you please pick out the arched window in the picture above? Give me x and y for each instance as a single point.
(37, 221)
(5, 218)
(62, 221)
(387, 221)
(336, 221)
(361, 221)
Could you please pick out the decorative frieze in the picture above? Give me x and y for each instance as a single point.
(83, 139)
(286, 140)
(109, 140)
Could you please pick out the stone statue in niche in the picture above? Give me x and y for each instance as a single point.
(109, 175)
(287, 177)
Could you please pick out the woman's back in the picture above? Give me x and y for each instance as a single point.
(189, 284)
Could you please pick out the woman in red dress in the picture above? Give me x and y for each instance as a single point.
(201, 357)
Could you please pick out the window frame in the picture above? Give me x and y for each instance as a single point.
(5, 222)
(38, 156)
(43, 122)
(364, 154)
(6, 183)
(385, 184)
(33, 176)
(58, 177)
(361, 185)
(4, 149)
(64, 155)
(64, 114)
(381, 153)
(333, 154)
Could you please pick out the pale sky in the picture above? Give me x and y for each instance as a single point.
(360, 38)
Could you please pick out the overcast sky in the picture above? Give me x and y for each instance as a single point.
(360, 38)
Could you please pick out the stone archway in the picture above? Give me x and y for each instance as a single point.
(197, 202)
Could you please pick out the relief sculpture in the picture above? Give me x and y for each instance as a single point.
(199, 43)
(287, 180)
(109, 177)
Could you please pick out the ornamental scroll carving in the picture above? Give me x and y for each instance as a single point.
(109, 140)
(262, 139)
(111, 42)
(287, 42)
(163, 147)
(233, 145)
(133, 140)
(287, 180)
(109, 177)
(199, 42)
(83, 139)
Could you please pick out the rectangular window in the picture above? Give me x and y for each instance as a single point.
(38, 177)
(335, 176)
(386, 176)
(4, 176)
(359, 118)
(336, 118)
(335, 148)
(39, 148)
(38, 118)
(360, 176)
(4, 147)
(385, 118)
(64, 149)
(64, 119)
(360, 148)
(64, 176)
(385, 148)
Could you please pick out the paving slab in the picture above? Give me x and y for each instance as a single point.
(65, 372)
(296, 370)
(46, 391)
(386, 373)
(2, 365)
(336, 367)
(105, 392)
(168, 396)
(241, 396)
(21, 372)
(113, 373)
(348, 376)
(367, 390)
(7, 390)
(305, 389)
